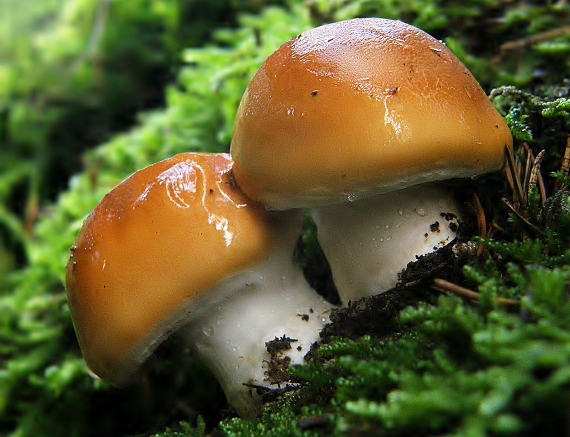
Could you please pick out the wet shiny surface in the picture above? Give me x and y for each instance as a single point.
(357, 107)
(162, 236)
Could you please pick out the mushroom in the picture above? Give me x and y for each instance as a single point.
(177, 246)
(360, 121)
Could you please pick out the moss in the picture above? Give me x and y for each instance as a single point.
(413, 361)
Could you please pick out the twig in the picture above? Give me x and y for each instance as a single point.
(446, 286)
(260, 389)
(536, 177)
(535, 174)
(524, 220)
(481, 221)
(528, 167)
(517, 187)
(566, 161)
(98, 28)
(565, 167)
(531, 40)
(535, 39)
(443, 285)
(314, 422)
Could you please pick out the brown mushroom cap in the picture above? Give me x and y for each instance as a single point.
(151, 248)
(361, 107)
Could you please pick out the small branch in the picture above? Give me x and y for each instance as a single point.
(566, 161)
(565, 167)
(523, 219)
(523, 43)
(260, 389)
(446, 286)
(517, 187)
(313, 422)
(443, 285)
(534, 39)
(528, 167)
(536, 177)
(98, 28)
(481, 221)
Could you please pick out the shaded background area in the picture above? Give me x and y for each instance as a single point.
(73, 73)
(92, 90)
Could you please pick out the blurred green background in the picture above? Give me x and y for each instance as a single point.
(92, 90)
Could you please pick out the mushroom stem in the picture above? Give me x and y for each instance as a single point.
(178, 245)
(370, 241)
(267, 301)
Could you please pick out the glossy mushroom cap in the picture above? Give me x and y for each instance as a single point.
(359, 107)
(150, 249)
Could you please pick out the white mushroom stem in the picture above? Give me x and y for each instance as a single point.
(369, 242)
(270, 300)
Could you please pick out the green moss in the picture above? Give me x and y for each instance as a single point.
(184, 429)
(443, 366)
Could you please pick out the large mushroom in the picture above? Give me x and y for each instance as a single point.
(177, 245)
(360, 120)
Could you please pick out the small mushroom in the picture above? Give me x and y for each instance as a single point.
(176, 246)
(360, 120)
